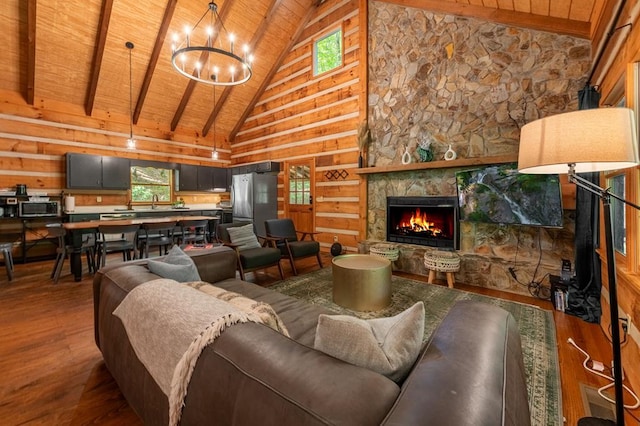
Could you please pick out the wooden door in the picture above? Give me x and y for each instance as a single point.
(299, 196)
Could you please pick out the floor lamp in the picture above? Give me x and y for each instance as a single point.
(591, 140)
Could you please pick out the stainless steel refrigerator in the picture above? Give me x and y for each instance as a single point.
(255, 199)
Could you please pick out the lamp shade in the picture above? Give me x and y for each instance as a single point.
(593, 139)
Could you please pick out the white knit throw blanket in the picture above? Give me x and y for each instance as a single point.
(168, 325)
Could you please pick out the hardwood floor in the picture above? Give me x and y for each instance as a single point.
(51, 371)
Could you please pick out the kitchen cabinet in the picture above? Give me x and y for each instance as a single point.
(205, 178)
(86, 171)
(187, 178)
(220, 180)
(212, 179)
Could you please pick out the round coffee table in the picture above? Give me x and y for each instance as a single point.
(361, 282)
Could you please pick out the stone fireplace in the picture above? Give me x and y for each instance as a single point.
(425, 221)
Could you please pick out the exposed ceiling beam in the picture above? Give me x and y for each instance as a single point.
(31, 52)
(501, 16)
(274, 69)
(192, 83)
(155, 55)
(257, 37)
(98, 53)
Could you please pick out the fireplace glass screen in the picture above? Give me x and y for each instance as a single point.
(428, 221)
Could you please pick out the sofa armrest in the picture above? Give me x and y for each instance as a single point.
(470, 373)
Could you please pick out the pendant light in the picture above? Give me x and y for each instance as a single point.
(131, 142)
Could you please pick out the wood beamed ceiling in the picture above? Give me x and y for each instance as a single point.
(74, 54)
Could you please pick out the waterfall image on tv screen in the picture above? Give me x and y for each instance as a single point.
(499, 194)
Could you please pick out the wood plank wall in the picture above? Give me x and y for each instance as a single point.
(300, 116)
(34, 141)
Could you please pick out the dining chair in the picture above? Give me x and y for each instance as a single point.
(156, 235)
(194, 231)
(117, 238)
(292, 247)
(63, 250)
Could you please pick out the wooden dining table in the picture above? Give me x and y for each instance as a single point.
(77, 230)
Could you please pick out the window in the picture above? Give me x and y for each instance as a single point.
(299, 185)
(327, 52)
(149, 181)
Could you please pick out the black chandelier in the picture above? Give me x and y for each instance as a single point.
(200, 55)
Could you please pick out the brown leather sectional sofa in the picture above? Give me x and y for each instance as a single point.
(469, 373)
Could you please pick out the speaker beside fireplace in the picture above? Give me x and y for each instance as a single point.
(427, 221)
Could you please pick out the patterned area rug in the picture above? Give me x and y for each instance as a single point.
(536, 325)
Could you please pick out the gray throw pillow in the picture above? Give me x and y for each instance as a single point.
(389, 346)
(243, 237)
(176, 265)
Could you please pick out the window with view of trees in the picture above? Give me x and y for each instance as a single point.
(149, 181)
(327, 52)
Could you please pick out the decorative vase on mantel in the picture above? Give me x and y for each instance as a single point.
(424, 151)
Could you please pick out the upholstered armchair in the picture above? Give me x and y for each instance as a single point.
(284, 233)
(252, 253)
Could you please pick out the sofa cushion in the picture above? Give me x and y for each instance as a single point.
(243, 237)
(177, 265)
(259, 257)
(388, 346)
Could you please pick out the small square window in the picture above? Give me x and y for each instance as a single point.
(327, 52)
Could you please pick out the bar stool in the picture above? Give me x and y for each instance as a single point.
(6, 248)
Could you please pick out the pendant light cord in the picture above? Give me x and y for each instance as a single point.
(130, 47)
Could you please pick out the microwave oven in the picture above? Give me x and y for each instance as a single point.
(38, 208)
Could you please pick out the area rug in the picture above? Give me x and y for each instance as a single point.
(536, 325)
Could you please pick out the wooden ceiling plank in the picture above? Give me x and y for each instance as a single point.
(506, 17)
(274, 69)
(31, 52)
(523, 6)
(560, 9)
(540, 7)
(155, 55)
(257, 36)
(188, 91)
(98, 53)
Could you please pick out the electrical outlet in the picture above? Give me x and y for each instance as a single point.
(98, 199)
(335, 238)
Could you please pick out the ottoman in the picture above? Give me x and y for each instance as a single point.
(361, 282)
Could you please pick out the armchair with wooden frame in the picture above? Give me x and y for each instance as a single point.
(260, 255)
(284, 233)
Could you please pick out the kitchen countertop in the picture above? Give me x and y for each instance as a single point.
(142, 209)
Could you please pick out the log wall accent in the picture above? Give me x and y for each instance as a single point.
(34, 141)
(302, 116)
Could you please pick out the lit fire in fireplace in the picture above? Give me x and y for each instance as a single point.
(418, 222)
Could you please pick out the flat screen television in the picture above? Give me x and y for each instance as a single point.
(499, 194)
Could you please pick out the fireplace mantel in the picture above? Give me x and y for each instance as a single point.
(441, 164)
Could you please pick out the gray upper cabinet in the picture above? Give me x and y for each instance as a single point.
(220, 180)
(116, 173)
(86, 171)
(205, 178)
(187, 178)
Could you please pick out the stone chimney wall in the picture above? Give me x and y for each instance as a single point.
(469, 84)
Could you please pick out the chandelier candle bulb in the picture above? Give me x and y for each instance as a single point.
(185, 54)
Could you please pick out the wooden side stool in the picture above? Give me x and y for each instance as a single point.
(442, 261)
(6, 248)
